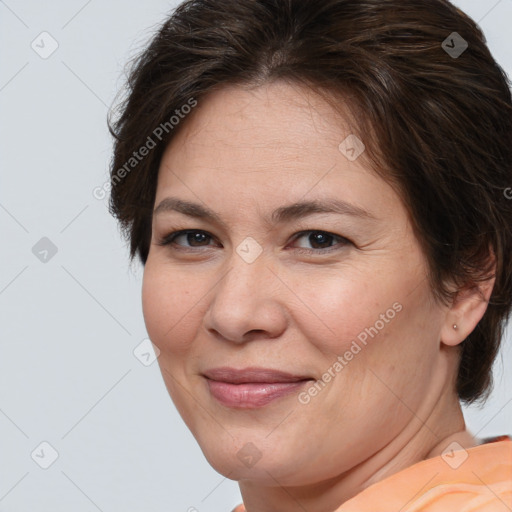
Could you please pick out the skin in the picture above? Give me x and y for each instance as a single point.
(243, 153)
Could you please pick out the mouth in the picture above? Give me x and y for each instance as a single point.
(253, 387)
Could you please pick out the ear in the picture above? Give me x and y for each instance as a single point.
(467, 309)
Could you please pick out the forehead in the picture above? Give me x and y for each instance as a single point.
(274, 117)
(267, 143)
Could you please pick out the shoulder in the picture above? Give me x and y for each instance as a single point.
(475, 480)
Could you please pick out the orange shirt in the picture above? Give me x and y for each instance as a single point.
(478, 479)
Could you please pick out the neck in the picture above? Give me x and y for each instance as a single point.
(428, 433)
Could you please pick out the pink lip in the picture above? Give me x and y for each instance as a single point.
(251, 387)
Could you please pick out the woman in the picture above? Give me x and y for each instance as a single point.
(316, 191)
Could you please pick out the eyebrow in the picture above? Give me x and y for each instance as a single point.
(280, 215)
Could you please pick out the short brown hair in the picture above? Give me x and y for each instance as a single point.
(436, 125)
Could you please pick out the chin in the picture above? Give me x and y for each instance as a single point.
(258, 460)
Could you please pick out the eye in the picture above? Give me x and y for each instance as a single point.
(194, 237)
(320, 241)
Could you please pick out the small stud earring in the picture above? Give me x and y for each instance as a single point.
(455, 326)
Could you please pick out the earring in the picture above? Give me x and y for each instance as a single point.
(455, 326)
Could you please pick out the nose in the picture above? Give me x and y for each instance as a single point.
(247, 303)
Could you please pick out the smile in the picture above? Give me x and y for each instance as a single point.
(251, 387)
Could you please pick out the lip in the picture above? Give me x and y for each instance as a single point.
(252, 374)
(252, 387)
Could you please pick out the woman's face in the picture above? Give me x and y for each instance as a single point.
(339, 297)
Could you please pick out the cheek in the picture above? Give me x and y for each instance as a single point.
(371, 322)
(342, 310)
(386, 349)
(171, 307)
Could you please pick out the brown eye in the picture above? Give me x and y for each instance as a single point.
(320, 241)
(192, 238)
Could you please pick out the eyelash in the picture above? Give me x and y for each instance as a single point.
(168, 240)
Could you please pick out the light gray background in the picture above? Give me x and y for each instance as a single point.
(69, 326)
